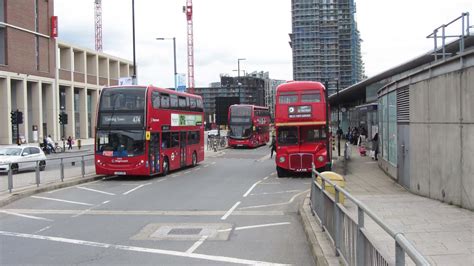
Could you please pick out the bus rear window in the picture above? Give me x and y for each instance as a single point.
(288, 99)
(311, 98)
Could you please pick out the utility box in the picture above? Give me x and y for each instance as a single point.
(336, 179)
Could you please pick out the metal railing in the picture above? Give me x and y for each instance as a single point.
(51, 171)
(350, 237)
(216, 143)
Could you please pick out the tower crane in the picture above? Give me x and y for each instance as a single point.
(98, 25)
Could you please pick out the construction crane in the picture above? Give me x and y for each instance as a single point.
(98, 25)
(188, 10)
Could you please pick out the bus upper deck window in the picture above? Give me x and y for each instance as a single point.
(288, 99)
(311, 98)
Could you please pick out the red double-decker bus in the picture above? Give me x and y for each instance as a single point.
(147, 130)
(301, 127)
(249, 125)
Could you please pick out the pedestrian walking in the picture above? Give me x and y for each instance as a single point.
(375, 140)
(69, 143)
(272, 147)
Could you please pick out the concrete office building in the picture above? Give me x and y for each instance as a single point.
(41, 77)
(326, 43)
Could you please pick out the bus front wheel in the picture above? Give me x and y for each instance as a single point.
(166, 166)
(281, 172)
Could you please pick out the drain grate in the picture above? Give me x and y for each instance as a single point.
(185, 231)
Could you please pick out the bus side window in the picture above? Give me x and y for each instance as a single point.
(199, 105)
(174, 139)
(165, 140)
(192, 104)
(155, 98)
(174, 101)
(165, 100)
(182, 103)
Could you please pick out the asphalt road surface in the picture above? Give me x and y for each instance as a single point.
(230, 209)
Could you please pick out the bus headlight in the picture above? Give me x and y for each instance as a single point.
(321, 159)
(282, 159)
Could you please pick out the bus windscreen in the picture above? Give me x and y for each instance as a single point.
(120, 143)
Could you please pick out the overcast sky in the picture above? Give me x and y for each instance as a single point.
(393, 32)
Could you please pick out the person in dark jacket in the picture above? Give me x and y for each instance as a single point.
(272, 146)
(375, 139)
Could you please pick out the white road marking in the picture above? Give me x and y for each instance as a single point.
(133, 189)
(139, 249)
(43, 229)
(205, 166)
(197, 169)
(213, 163)
(197, 244)
(261, 159)
(187, 172)
(279, 192)
(149, 213)
(272, 183)
(64, 188)
(253, 226)
(27, 216)
(276, 204)
(274, 173)
(230, 211)
(251, 188)
(89, 209)
(265, 178)
(60, 200)
(95, 190)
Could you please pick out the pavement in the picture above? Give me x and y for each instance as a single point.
(443, 233)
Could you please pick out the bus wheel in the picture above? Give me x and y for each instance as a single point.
(281, 172)
(166, 166)
(194, 163)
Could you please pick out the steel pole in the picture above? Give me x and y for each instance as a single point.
(175, 71)
(134, 76)
(338, 122)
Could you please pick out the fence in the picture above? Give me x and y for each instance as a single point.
(350, 238)
(34, 172)
(216, 143)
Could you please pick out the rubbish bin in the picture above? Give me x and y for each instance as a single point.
(336, 179)
(79, 144)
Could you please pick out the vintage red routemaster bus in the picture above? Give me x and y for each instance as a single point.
(144, 130)
(249, 125)
(301, 127)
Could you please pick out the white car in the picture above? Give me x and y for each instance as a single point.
(21, 158)
(212, 132)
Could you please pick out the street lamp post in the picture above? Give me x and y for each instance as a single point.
(174, 57)
(134, 76)
(338, 122)
(238, 73)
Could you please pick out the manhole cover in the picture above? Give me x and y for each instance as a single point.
(185, 231)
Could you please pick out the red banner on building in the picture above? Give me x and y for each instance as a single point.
(54, 26)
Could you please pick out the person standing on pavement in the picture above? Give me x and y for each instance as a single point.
(375, 139)
(69, 143)
(272, 147)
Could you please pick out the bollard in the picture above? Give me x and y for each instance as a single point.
(61, 170)
(399, 255)
(360, 247)
(37, 174)
(10, 177)
(83, 167)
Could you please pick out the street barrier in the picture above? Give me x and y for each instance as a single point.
(55, 169)
(350, 238)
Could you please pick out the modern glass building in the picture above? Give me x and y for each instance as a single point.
(326, 42)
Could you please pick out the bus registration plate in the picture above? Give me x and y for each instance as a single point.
(301, 170)
(120, 173)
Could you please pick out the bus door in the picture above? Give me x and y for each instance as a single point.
(182, 148)
(154, 153)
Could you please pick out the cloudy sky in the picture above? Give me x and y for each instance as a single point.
(393, 32)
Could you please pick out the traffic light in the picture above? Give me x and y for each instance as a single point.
(14, 117)
(63, 118)
(19, 117)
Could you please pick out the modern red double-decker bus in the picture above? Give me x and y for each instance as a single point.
(301, 128)
(147, 130)
(249, 125)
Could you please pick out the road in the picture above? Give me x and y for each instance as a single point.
(230, 209)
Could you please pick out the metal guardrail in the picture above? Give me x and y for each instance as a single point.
(350, 237)
(216, 143)
(62, 165)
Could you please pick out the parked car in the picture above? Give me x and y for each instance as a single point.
(21, 158)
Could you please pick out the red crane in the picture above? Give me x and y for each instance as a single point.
(188, 9)
(98, 25)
